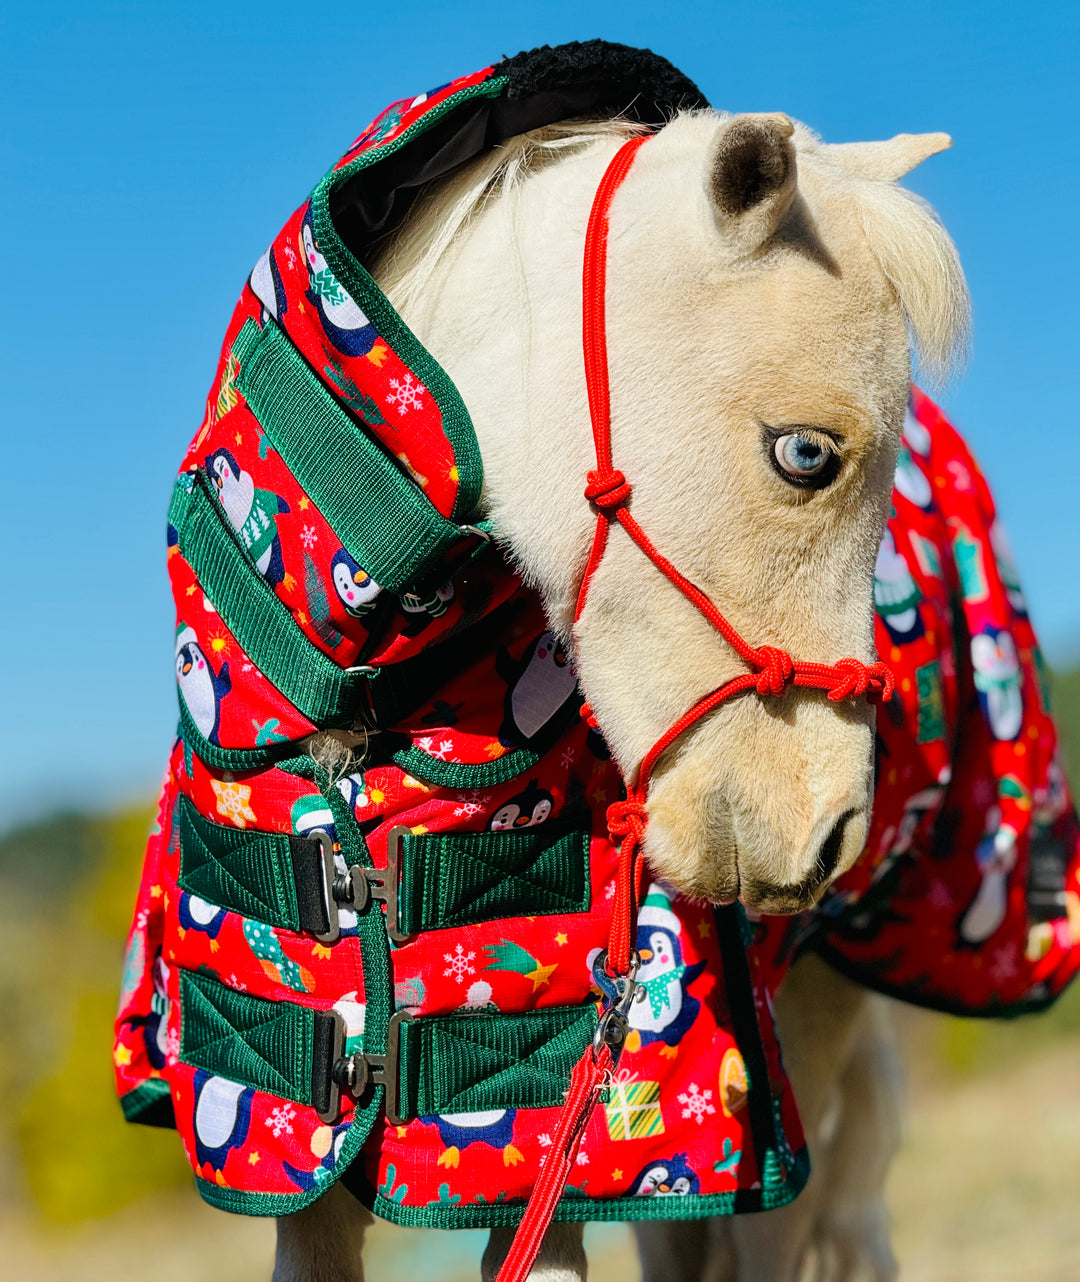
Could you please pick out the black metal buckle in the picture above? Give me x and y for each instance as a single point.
(359, 886)
(355, 1072)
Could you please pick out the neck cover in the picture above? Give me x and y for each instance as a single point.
(331, 569)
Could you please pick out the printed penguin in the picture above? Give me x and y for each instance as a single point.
(896, 594)
(458, 1130)
(664, 1009)
(266, 285)
(1006, 564)
(421, 607)
(528, 808)
(155, 1026)
(539, 686)
(201, 688)
(344, 324)
(310, 813)
(252, 513)
(222, 1117)
(667, 1178)
(198, 914)
(356, 589)
(997, 679)
(326, 1145)
(995, 856)
(910, 480)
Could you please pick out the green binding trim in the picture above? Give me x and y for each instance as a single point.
(261, 1043)
(380, 514)
(149, 1104)
(459, 774)
(460, 878)
(246, 871)
(321, 690)
(468, 1063)
(392, 329)
(222, 758)
(577, 1208)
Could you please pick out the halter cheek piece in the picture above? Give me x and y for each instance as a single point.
(772, 671)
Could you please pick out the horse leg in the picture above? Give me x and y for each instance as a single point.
(324, 1241)
(686, 1250)
(821, 1018)
(561, 1258)
(853, 1228)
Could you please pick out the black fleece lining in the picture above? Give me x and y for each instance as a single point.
(586, 78)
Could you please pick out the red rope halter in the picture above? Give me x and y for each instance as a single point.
(772, 670)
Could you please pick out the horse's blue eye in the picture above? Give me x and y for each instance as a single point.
(799, 456)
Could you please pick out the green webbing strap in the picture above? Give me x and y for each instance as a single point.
(265, 1044)
(461, 878)
(271, 877)
(471, 1063)
(380, 514)
(324, 692)
(444, 1064)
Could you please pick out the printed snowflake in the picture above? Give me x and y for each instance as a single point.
(460, 964)
(408, 394)
(544, 1140)
(696, 1104)
(567, 758)
(281, 1119)
(235, 983)
(309, 537)
(172, 1046)
(140, 919)
(232, 802)
(583, 1159)
(424, 743)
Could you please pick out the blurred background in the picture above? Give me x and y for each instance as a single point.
(150, 154)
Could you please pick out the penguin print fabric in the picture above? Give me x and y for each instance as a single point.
(384, 974)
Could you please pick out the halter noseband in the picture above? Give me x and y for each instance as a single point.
(772, 670)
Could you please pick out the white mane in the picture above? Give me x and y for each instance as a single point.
(914, 251)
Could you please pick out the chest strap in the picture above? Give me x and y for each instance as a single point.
(459, 1063)
(433, 881)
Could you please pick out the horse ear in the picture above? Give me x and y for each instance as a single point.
(752, 177)
(887, 161)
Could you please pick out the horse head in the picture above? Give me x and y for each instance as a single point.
(763, 294)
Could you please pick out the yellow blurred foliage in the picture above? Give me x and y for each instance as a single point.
(80, 1159)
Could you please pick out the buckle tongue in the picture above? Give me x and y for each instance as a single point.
(359, 885)
(355, 1072)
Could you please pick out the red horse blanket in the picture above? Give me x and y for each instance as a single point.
(385, 975)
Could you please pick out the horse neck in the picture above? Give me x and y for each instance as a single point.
(500, 310)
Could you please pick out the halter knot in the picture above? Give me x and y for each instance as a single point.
(776, 670)
(876, 681)
(627, 818)
(608, 489)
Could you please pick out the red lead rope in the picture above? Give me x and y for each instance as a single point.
(771, 672)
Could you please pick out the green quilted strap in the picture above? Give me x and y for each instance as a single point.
(441, 1064)
(270, 877)
(324, 692)
(268, 1045)
(380, 514)
(471, 1063)
(461, 878)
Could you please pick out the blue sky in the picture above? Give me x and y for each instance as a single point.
(151, 151)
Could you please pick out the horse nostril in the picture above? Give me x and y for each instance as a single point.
(829, 854)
